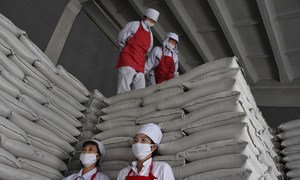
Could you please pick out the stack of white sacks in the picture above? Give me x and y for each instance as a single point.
(212, 128)
(40, 105)
(88, 129)
(290, 136)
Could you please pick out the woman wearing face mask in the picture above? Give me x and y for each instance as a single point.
(91, 155)
(162, 63)
(136, 40)
(145, 146)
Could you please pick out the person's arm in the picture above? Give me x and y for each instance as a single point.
(152, 60)
(151, 63)
(176, 60)
(127, 32)
(151, 41)
(166, 173)
(123, 173)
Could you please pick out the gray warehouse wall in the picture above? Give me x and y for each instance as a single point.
(37, 17)
(278, 115)
(91, 56)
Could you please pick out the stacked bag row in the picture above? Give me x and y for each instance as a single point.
(289, 133)
(88, 129)
(40, 108)
(212, 128)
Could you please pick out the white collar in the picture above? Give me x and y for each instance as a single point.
(146, 165)
(90, 173)
(144, 25)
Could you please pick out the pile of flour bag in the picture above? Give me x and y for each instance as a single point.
(212, 127)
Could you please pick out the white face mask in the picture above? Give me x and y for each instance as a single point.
(88, 159)
(170, 46)
(149, 24)
(140, 150)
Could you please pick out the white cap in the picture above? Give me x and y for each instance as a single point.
(173, 36)
(100, 147)
(152, 131)
(152, 14)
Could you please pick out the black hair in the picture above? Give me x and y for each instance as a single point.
(98, 150)
(155, 152)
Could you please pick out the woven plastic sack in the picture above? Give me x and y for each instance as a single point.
(36, 130)
(55, 99)
(12, 131)
(17, 45)
(10, 66)
(67, 97)
(128, 131)
(72, 80)
(161, 116)
(58, 81)
(29, 70)
(135, 94)
(20, 149)
(24, 87)
(10, 26)
(9, 159)
(4, 47)
(17, 106)
(47, 113)
(134, 103)
(40, 168)
(11, 173)
(49, 147)
(228, 62)
(117, 142)
(161, 95)
(65, 115)
(37, 52)
(9, 88)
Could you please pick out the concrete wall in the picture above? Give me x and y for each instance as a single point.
(278, 115)
(91, 56)
(37, 17)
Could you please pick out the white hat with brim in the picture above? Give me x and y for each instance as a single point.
(173, 36)
(152, 14)
(152, 131)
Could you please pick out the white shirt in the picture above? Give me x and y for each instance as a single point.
(87, 176)
(161, 170)
(154, 59)
(130, 29)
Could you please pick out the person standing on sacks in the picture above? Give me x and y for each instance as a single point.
(91, 155)
(162, 63)
(145, 145)
(136, 40)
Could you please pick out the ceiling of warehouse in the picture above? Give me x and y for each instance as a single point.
(263, 34)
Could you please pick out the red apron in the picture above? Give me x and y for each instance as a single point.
(92, 178)
(149, 177)
(165, 69)
(133, 54)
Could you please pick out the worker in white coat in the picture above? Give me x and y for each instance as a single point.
(162, 63)
(145, 146)
(136, 40)
(91, 155)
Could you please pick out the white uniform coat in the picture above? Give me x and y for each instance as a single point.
(161, 170)
(154, 59)
(87, 176)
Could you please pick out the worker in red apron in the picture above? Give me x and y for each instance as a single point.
(91, 155)
(162, 63)
(136, 40)
(145, 146)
